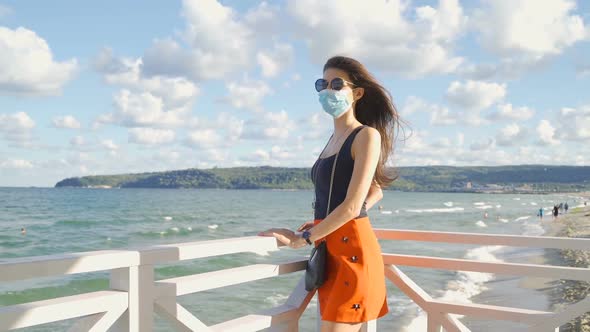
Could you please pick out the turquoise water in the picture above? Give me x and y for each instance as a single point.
(65, 220)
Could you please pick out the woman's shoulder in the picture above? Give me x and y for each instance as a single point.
(368, 135)
(366, 138)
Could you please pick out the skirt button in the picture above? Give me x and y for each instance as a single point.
(345, 239)
(354, 259)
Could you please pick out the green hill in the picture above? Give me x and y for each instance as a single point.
(523, 178)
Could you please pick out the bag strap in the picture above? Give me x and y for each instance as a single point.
(331, 183)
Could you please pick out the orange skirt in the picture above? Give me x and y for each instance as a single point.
(354, 290)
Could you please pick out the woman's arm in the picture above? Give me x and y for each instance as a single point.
(374, 196)
(366, 149)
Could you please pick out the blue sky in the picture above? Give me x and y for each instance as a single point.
(109, 87)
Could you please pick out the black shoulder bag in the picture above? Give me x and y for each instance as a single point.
(315, 272)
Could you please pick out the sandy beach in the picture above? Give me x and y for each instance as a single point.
(575, 223)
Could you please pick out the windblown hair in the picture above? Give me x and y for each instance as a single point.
(374, 109)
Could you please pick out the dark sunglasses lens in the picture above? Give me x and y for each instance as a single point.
(321, 84)
(337, 83)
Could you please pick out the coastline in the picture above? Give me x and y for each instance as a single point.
(576, 223)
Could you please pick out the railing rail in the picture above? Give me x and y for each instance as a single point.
(134, 294)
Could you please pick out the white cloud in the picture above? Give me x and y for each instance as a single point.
(546, 133)
(507, 112)
(388, 40)
(475, 95)
(274, 61)
(272, 125)
(109, 145)
(247, 94)
(15, 164)
(77, 141)
(574, 124)
(219, 41)
(439, 115)
(204, 138)
(506, 68)
(511, 135)
(514, 27)
(144, 110)
(177, 94)
(27, 66)
(264, 19)
(257, 156)
(151, 136)
(482, 145)
(67, 121)
(233, 126)
(16, 127)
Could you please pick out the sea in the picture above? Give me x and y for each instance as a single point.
(69, 220)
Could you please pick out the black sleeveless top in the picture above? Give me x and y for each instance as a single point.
(322, 171)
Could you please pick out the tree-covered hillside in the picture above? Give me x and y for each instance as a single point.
(430, 178)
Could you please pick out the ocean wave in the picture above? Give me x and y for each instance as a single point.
(436, 210)
(532, 228)
(480, 223)
(522, 218)
(484, 207)
(464, 287)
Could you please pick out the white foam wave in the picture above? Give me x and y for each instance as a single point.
(484, 207)
(386, 212)
(480, 223)
(533, 203)
(213, 226)
(499, 206)
(503, 220)
(175, 229)
(533, 229)
(448, 204)
(516, 198)
(462, 289)
(276, 299)
(436, 210)
(167, 218)
(522, 218)
(479, 203)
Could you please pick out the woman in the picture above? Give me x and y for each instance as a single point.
(364, 119)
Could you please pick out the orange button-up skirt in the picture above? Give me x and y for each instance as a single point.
(354, 290)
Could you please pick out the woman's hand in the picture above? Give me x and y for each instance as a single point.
(305, 226)
(287, 237)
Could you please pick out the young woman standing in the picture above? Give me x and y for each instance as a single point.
(364, 121)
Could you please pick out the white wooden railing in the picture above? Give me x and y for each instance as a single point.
(134, 294)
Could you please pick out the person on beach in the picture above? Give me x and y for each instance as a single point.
(364, 119)
(555, 211)
(540, 214)
(565, 207)
(23, 231)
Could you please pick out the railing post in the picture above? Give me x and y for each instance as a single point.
(370, 326)
(318, 326)
(434, 324)
(138, 282)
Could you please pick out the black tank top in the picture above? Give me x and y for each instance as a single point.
(322, 171)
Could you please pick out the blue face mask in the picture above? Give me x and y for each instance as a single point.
(335, 102)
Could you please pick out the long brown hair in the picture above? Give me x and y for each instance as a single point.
(374, 109)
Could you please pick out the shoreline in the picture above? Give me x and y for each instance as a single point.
(561, 293)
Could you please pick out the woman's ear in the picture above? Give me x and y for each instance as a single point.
(358, 93)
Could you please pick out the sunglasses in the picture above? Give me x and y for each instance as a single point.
(337, 84)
